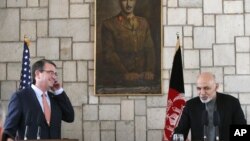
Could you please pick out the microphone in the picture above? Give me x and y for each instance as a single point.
(27, 124)
(39, 121)
(205, 124)
(216, 121)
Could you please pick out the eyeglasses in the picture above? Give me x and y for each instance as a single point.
(51, 72)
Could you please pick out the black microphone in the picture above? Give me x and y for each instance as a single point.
(216, 121)
(216, 118)
(39, 122)
(205, 124)
(27, 124)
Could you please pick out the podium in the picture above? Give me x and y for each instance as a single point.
(51, 140)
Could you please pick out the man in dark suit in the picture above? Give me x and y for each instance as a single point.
(228, 108)
(128, 50)
(42, 105)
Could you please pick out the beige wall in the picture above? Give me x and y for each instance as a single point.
(215, 35)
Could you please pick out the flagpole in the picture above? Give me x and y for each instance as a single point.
(178, 40)
(26, 40)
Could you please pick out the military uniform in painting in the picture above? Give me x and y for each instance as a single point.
(128, 52)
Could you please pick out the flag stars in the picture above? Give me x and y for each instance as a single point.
(25, 73)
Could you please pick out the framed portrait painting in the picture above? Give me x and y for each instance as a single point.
(128, 40)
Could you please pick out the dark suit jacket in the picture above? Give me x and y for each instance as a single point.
(24, 109)
(229, 109)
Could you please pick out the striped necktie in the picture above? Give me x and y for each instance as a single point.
(46, 109)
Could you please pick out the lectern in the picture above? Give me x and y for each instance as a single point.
(52, 140)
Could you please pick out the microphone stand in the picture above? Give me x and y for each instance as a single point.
(205, 124)
(39, 119)
(27, 123)
(216, 120)
(26, 131)
(217, 133)
(17, 136)
(38, 133)
(205, 133)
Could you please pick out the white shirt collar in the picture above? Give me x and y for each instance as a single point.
(38, 91)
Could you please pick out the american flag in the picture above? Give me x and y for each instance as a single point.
(25, 80)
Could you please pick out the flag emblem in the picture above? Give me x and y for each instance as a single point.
(176, 100)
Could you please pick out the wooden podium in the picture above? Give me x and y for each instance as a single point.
(51, 140)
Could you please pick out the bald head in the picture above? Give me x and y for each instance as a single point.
(206, 86)
(206, 77)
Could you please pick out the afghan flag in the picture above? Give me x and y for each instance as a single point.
(176, 100)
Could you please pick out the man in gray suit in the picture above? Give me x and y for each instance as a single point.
(228, 108)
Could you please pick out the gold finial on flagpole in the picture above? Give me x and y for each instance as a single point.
(27, 40)
(178, 40)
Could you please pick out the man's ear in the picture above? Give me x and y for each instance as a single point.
(217, 86)
(37, 74)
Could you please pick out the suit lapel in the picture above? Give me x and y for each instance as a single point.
(220, 108)
(35, 100)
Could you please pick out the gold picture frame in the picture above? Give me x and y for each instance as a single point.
(128, 43)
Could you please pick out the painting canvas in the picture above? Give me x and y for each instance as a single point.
(128, 42)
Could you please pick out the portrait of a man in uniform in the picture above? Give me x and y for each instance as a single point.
(127, 57)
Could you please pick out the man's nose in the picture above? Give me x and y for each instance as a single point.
(128, 3)
(54, 76)
(202, 91)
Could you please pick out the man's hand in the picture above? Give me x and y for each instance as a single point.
(56, 86)
(10, 139)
